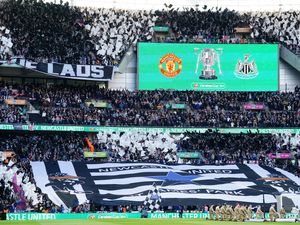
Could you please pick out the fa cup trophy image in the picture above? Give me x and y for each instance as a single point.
(208, 57)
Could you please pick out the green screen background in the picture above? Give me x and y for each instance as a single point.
(265, 56)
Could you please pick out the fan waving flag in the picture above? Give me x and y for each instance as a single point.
(132, 183)
(153, 200)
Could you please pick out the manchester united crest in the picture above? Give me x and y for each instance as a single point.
(246, 69)
(170, 65)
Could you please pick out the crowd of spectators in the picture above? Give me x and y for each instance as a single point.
(152, 146)
(44, 31)
(277, 27)
(215, 148)
(17, 186)
(202, 25)
(112, 32)
(237, 148)
(45, 147)
(78, 35)
(67, 105)
(18, 191)
(138, 146)
(51, 32)
(11, 114)
(5, 43)
(73, 96)
(102, 36)
(170, 118)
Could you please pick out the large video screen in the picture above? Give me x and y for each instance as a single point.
(208, 67)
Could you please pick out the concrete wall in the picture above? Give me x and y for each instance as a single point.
(127, 79)
(289, 77)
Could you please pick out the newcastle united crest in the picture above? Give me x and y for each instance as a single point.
(170, 65)
(246, 69)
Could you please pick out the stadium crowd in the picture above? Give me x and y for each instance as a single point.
(68, 96)
(78, 35)
(44, 31)
(17, 186)
(18, 191)
(61, 146)
(214, 148)
(5, 43)
(102, 36)
(11, 114)
(277, 27)
(66, 105)
(153, 147)
(170, 118)
(112, 32)
(201, 25)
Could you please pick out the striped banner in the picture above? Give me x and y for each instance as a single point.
(71, 183)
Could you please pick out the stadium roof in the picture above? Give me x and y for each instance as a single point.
(239, 5)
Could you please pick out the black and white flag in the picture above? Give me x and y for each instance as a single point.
(69, 183)
(153, 199)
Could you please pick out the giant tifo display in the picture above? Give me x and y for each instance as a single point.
(157, 185)
(208, 67)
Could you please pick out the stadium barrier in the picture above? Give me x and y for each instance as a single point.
(133, 215)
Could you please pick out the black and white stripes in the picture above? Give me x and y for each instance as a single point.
(132, 183)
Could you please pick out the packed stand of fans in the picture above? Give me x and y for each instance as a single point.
(170, 118)
(44, 31)
(214, 147)
(138, 146)
(202, 25)
(67, 96)
(10, 113)
(237, 148)
(78, 35)
(112, 32)
(66, 105)
(17, 186)
(61, 146)
(18, 191)
(152, 146)
(275, 27)
(102, 36)
(5, 43)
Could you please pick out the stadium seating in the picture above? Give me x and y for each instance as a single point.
(66, 105)
(48, 32)
(272, 27)
(152, 146)
(102, 36)
(18, 189)
(127, 147)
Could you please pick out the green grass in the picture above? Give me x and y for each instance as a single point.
(130, 222)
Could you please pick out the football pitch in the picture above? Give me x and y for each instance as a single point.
(134, 222)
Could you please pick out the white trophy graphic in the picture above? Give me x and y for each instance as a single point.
(208, 57)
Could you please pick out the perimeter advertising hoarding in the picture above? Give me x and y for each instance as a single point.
(95, 154)
(133, 215)
(208, 67)
(175, 130)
